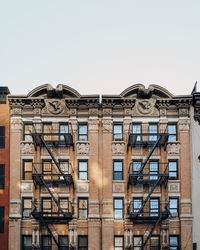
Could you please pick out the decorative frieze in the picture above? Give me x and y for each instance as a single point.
(173, 187)
(107, 125)
(83, 187)
(145, 107)
(118, 147)
(118, 187)
(173, 148)
(83, 147)
(26, 187)
(27, 148)
(184, 124)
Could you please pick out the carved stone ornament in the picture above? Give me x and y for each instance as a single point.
(118, 148)
(83, 148)
(93, 125)
(145, 107)
(107, 124)
(16, 124)
(184, 124)
(27, 148)
(55, 107)
(173, 148)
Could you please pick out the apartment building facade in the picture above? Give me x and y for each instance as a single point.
(4, 166)
(91, 175)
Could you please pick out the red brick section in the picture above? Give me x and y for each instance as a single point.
(4, 159)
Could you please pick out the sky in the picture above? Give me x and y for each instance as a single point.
(99, 46)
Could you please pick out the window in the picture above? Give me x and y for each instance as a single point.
(154, 206)
(47, 129)
(82, 132)
(173, 206)
(173, 169)
(137, 204)
(82, 243)
(82, 170)
(26, 207)
(153, 170)
(47, 169)
(136, 167)
(2, 137)
(27, 169)
(82, 208)
(117, 132)
(64, 166)
(153, 129)
(172, 132)
(63, 129)
(154, 243)
(26, 242)
(118, 208)
(118, 242)
(137, 129)
(173, 242)
(46, 242)
(1, 219)
(28, 129)
(117, 170)
(63, 242)
(46, 206)
(2, 176)
(64, 204)
(137, 242)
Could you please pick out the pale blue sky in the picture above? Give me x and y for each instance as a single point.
(99, 47)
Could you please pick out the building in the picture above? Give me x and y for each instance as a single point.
(91, 175)
(4, 167)
(195, 156)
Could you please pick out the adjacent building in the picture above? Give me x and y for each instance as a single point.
(4, 166)
(108, 175)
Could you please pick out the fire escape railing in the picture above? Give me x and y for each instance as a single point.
(57, 213)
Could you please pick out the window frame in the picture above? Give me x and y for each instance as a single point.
(156, 236)
(172, 247)
(173, 178)
(177, 208)
(169, 134)
(23, 169)
(119, 247)
(26, 209)
(48, 135)
(153, 176)
(114, 134)
(63, 247)
(2, 136)
(118, 172)
(139, 138)
(49, 209)
(82, 247)
(80, 135)
(141, 239)
(24, 132)
(2, 176)
(49, 247)
(2, 219)
(26, 247)
(79, 172)
(154, 212)
(118, 209)
(135, 210)
(61, 137)
(155, 137)
(84, 209)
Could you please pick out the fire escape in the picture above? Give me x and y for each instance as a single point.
(49, 176)
(148, 210)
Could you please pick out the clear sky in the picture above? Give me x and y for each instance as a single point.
(99, 46)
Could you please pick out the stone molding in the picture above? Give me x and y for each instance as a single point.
(173, 148)
(83, 147)
(27, 148)
(184, 124)
(118, 147)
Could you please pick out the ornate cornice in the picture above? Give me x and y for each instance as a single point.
(196, 104)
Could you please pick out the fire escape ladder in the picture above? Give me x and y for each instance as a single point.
(150, 153)
(152, 230)
(52, 195)
(149, 195)
(53, 158)
(49, 230)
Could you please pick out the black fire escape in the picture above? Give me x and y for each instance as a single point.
(148, 210)
(49, 176)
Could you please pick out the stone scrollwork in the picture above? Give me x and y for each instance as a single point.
(145, 107)
(107, 125)
(55, 107)
(118, 148)
(173, 148)
(27, 148)
(184, 124)
(83, 148)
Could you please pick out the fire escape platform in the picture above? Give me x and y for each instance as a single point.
(53, 139)
(52, 179)
(145, 141)
(145, 179)
(141, 218)
(53, 217)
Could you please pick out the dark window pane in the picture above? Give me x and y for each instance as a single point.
(1, 219)
(2, 137)
(2, 176)
(117, 132)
